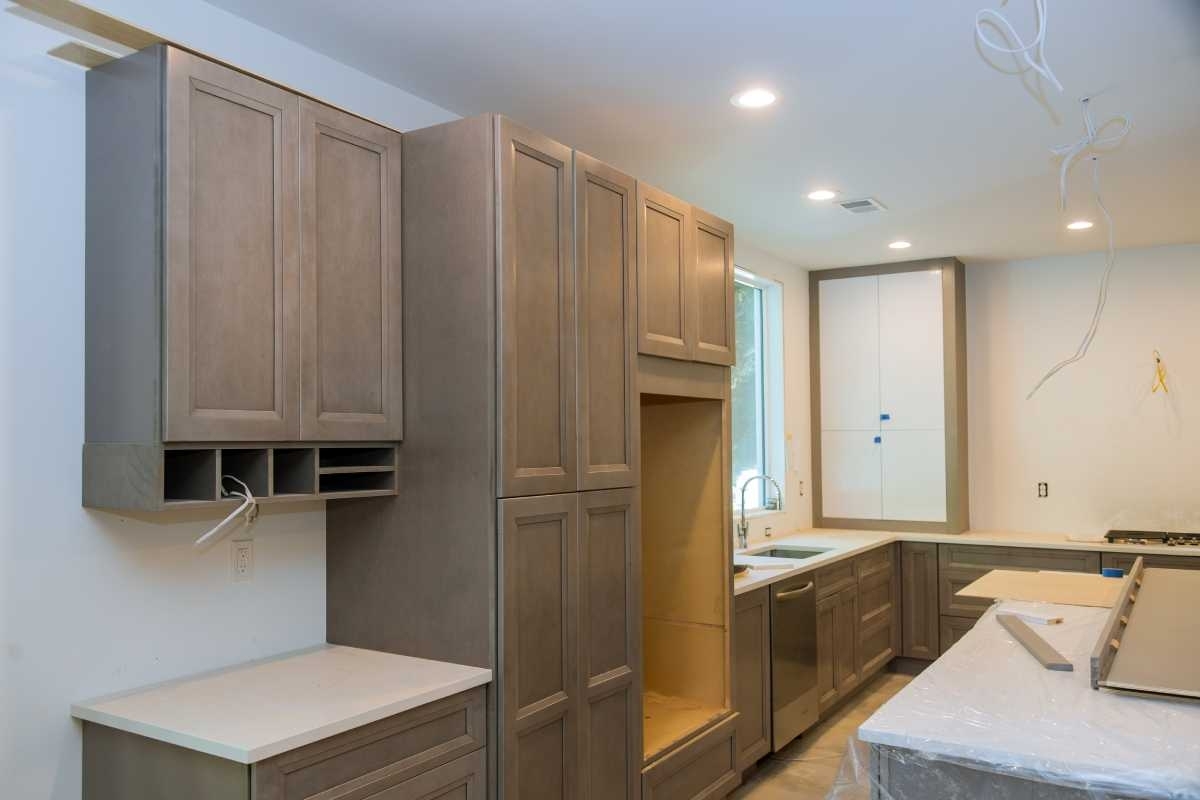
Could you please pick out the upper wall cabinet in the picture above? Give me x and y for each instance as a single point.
(271, 224)
(889, 396)
(243, 282)
(685, 280)
(350, 277)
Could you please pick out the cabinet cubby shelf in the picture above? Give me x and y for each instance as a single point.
(190, 476)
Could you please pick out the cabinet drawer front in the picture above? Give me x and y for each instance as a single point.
(989, 558)
(833, 579)
(875, 600)
(950, 580)
(1125, 561)
(705, 767)
(464, 779)
(874, 561)
(377, 756)
(875, 647)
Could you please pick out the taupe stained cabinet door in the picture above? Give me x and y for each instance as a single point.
(665, 271)
(350, 277)
(713, 341)
(610, 644)
(752, 674)
(539, 595)
(605, 235)
(536, 302)
(919, 606)
(231, 368)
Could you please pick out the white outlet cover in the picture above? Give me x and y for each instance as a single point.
(242, 560)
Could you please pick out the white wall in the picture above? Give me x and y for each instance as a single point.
(797, 513)
(1113, 453)
(92, 602)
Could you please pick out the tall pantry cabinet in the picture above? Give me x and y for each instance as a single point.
(889, 396)
(520, 468)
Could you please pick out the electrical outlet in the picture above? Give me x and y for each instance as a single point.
(243, 560)
(1043, 489)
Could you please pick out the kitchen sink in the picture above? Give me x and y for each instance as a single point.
(794, 553)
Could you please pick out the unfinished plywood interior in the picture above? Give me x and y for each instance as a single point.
(684, 569)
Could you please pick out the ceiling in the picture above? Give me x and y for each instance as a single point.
(876, 97)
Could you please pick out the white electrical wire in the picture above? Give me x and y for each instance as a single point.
(1070, 152)
(249, 506)
(1101, 299)
(1033, 53)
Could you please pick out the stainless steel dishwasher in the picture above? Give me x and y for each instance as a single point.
(793, 659)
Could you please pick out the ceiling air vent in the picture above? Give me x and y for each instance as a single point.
(863, 205)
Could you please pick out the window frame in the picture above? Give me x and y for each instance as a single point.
(771, 422)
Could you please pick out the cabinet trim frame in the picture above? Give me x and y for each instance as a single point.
(954, 344)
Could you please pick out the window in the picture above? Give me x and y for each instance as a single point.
(757, 390)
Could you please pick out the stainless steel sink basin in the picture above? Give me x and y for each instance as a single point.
(787, 551)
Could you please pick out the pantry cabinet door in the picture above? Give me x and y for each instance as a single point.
(536, 303)
(713, 340)
(850, 475)
(911, 356)
(914, 475)
(350, 257)
(231, 366)
(606, 299)
(848, 330)
(539, 596)
(665, 273)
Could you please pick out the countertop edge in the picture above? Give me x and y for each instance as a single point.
(252, 755)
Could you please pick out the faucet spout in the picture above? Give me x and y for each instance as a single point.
(743, 528)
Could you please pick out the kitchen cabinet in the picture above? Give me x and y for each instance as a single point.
(570, 645)
(752, 675)
(951, 629)
(919, 604)
(243, 278)
(433, 751)
(889, 396)
(350, 277)
(685, 280)
(878, 609)
(837, 646)
(1125, 561)
(606, 292)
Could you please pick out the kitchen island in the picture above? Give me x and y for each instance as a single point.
(986, 720)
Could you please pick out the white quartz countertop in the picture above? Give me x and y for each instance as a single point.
(845, 543)
(254, 711)
(988, 701)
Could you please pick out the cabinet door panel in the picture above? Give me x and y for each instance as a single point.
(537, 315)
(713, 289)
(850, 475)
(539, 588)
(231, 366)
(752, 675)
(911, 356)
(919, 606)
(610, 719)
(914, 475)
(350, 277)
(845, 634)
(826, 650)
(664, 274)
(849, 352)
(605, 254)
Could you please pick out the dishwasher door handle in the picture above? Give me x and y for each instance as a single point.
(792, 594)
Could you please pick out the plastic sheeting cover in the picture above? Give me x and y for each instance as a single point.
(988, 705)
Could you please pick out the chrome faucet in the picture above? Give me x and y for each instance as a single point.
(743, 528)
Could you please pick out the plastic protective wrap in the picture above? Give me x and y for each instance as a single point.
(987, 721)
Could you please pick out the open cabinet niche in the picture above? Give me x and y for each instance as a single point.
(685, 569)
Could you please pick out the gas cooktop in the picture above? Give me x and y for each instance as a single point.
(1154, 537)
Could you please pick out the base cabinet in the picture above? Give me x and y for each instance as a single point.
(704, 768)
(837, 646)
(752, 675)
(919, 602)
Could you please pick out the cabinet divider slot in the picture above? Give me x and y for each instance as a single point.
(294, 471)
(339, 483)
(189, 475)
(250, 466)
(334, 457)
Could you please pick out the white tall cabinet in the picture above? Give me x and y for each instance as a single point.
(889, 396)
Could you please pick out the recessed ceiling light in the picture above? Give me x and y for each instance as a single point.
(900, 244)
(822, 194)
(753, 98)
(1079, 225)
